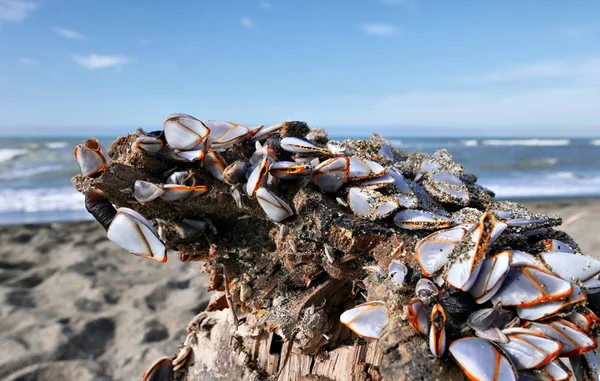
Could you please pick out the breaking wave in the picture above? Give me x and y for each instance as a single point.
(7, 154)
(558, 184)
(40, 200)
(470, 143)
(527, 142)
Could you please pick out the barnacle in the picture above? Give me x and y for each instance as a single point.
(349, 232)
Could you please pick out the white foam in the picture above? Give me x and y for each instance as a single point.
(595, 142)
(469, 143)
(559, 184)
(396, 143)
(7, 154)
(56, 145)
(28, 171)
(527, 142)
(40, 200)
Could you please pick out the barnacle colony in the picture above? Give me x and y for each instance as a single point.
(302, 233)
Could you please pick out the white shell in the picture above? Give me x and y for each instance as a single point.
(432, 251)
(265, 132)
(481, 320)
(335, 149)
(331, 174)
(145, 191)
(528, 349)
(397, 270)
(523, 259)
(492, 274)
(492, 334)
(147, 143)
(364, 169)
(553, 371)
(437, 331)
(525, 222)
(574, 340)
(370, 204)
(367, 319)
(91, 157)
(426, 289)
(301, 146)
(235, 172)
(446, 185)
(584, 319)
(191, 155)
(257, 177)
(420, 219)
(556, 245)
(378, 182)
(174, 192)
(527, 286)
(418, 316)
(224, 134)
(289, 170)
(400, 181)
(275, 208)
(134, 233)
(184, 132)
(572, 267)
(499, 227)
(463, 272)
(215, 164)
(548, 309)
(481, 360)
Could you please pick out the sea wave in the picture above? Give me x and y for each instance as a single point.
(526, 142)
(56, 145)
(595, 142)
(34, 171)
(558, 184)
(40, 200)
(469, 143)
(7, 154)
(396, 143)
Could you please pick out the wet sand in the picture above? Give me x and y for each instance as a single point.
(76, 307)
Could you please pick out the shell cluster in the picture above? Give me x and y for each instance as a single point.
(531, 293)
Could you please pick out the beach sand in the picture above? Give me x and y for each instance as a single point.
(76, 307)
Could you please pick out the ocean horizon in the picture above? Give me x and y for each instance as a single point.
(36, 172)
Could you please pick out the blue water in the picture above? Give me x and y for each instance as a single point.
(35, 173)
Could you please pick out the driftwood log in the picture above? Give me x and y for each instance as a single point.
(287, 294)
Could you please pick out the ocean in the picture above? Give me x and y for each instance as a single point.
(35, 173)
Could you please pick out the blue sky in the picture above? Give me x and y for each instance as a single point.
(402, 67)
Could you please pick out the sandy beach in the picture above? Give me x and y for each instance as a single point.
(76, 307)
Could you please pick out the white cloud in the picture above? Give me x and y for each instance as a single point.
(266, 4)
(95, 61)
(383, 30)
(69, 33)
(16, 10)
(589, 68)
(247, 22)
(28, 61)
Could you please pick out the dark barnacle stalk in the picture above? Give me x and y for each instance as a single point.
(326, 256)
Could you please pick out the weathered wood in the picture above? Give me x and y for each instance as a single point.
(224, 352)
(290, 324)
